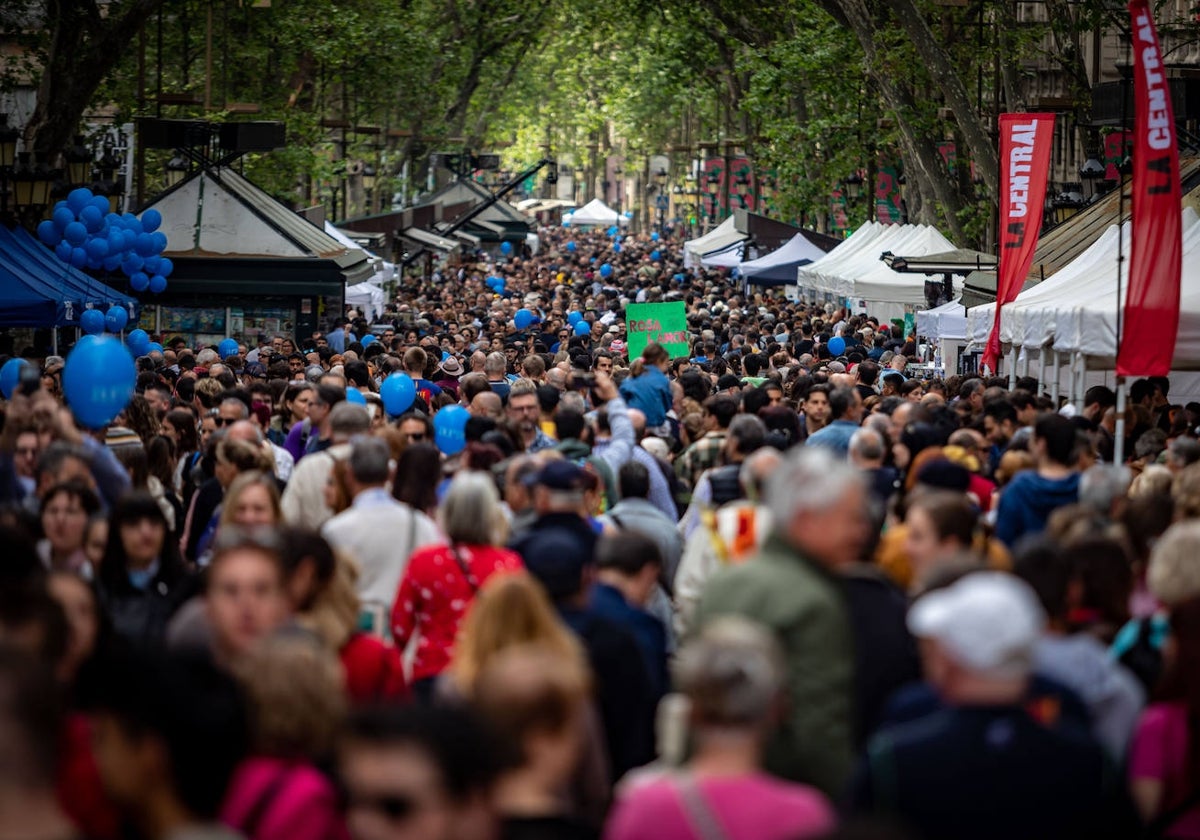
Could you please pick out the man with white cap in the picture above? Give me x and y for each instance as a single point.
(984, 766)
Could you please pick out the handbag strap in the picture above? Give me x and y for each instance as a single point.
(700, 815)
(464, 568)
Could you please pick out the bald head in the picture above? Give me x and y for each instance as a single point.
(487, 404)
(244, 430)
(638, 419)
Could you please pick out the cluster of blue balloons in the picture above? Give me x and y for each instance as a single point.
(606, 270)
(398, 392)
(450, 429)
(496, 284)
(95, 322)
(139, 344)
(574, 317)
(98, 380)
(524, 319)
(83, 233)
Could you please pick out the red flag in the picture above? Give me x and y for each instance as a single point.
(1025, 144)
(1156, 253)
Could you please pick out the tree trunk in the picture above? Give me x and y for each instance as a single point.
(84, 47)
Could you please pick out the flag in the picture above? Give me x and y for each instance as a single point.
(1025, 144)
(1147, 337)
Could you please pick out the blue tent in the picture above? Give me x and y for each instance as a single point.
(778, 268)
(30, 272)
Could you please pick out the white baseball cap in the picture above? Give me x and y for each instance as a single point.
(987, 621)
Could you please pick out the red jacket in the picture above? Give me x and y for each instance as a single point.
(373, 670)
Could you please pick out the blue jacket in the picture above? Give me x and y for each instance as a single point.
(835, 437)
(650, 394)
(1028, 501)
(649, 632)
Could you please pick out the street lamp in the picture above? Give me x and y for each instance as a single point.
(1092, 173)
(853, 186)
(31, 184)
(109, 184)
(8, 155)
(1068, 202)
(177, 170)
(79, 162)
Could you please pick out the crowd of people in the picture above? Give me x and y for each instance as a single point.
(761, 590)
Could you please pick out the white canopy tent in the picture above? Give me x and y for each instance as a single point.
(945, 322)
(779, 267)
(728, 257)
(717, 239)
(367, 297)
(384, 270)
(596, 212)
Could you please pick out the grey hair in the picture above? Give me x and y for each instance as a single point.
(756, 469)
(207, 357)
(732, 673)
(243, 412)
(867, 444)
(495, 363)
(1103, 484)
(347, 419)
(572, 400)
(811, 479)
(368, 460)
(748, 431)
(471, 512)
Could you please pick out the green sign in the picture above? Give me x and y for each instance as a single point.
(665, 323)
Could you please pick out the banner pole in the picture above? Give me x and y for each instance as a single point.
(1054, 383)
(1012, 367)
(1119, 434)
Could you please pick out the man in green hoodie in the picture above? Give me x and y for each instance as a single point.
(818, 510)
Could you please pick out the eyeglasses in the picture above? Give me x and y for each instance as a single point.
(416, 436)
(395, 807)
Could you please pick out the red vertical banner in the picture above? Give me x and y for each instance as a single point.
(1026, 141)
(1147, 339)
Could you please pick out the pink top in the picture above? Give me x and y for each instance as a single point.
(434, 595)
(1159, 753)
(753, 807)
(273, 799)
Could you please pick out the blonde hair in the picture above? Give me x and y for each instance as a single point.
(244, 456)
(1173, 575)
(509, 610)
(239, 485)
(1185, 491)
(297, 700)
(528, 689)
(333, 614)
(1153, 480)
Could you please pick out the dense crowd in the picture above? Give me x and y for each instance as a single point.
(761, 590)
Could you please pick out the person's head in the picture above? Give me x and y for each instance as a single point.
(294, 688)
(558, 487)
(235, 457)
(720, 411)
(168, 731)
(523, 406)
(415, 427)
(80, 605)
(940, 524)
(818, 505)
(1173, 576)
(368, 463)
(867, 449)
(816, 406)
(746, 434)
(733, 674)
(137, 536)
(487, 404)
(232, 410)
(61, 462)
(348, 420)
(471, 514)
(1054, 440)
(246, 593)
(31, 710)
(251, 501)
(631, 561)
(418, 471)
(633, 480)
(180, 426)
(297, 398)
(415, 361)
(66, 510)
(418, 773)
(1103, 488)
(999, 421)
(518, 474)
(977, 638)
(325, 398)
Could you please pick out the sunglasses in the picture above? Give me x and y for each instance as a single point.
(416, 436)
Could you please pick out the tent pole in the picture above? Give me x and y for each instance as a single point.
(1024, 361)
(1054, 382)
(1080, 382)
(1012, 367)
(54, 341)
(1119, 434)
(1071, 372)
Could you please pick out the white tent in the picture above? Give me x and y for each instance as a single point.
(367, 297)
(717, 239)
(809, 277)
(728, 257)
(779, 267)
(595, 212)
(948, 322)
(384, 270)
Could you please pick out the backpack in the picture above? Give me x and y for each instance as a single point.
(1138, 646)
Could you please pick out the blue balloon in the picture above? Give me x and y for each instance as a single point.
(62, 217)
(92, 321)
(76, 233)
(113, 220)
(139, 282)
(138, 342)
(79, 198)
(506, 248)
(583, 328)
(574, 318)
(112, 262)
(165, 266)
(150, 265)
(353, 395)
(654, 237)
(79, 257)
(115, 318)
(151, 220)
(450, 429)
(131, 265)
(97, 248)
(158, 284)
(571, 246)
(228, 347)
(655, 255)
(837, 345)
(100, 203)
(144, 245)
(92, 218)
(367, 339)
(614, 230)
(154, 347)
(48, 233)
(10, 376)
(63, 249)
(398, 392)
(606, 270)
(616, 247)
(159, 240)
(131, 222)
(523, 319)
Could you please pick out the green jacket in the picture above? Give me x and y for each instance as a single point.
(803, 605)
